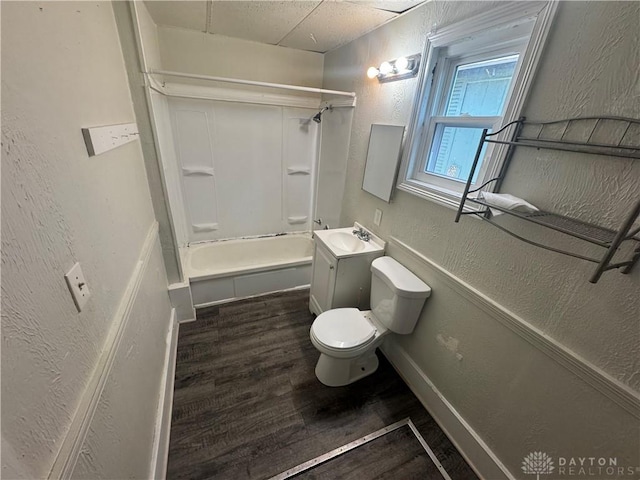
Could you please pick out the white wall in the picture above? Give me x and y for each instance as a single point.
(63, 69)
(121, 434)
(332, 165)
(206, 54)
(149, 36)
(505, 389)
(167, 153)
(159, 198)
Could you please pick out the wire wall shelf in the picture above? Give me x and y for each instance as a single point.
(609, 136)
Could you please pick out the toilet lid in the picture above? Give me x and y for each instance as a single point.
(343, 328)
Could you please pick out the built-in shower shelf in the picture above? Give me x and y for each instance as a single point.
(193, 171)
(297, 220)
(298, 170)
(204, 227)
(607, 136)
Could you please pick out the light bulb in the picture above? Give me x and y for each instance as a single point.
(402, 64)
(386, 68)
(373, 72)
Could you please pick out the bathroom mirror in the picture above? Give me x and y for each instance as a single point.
(383, 157)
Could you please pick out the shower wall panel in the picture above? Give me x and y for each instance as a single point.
(193, 147)
(332, 171)
(245, 169)
(248, 151)
(171, 170)
(300, 149)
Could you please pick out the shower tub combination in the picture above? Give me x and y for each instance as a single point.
(224, 270)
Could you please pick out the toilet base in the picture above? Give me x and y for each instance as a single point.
(337, 372)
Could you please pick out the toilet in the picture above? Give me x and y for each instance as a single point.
(347, 338)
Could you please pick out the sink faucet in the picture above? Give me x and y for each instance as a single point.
(362, 234)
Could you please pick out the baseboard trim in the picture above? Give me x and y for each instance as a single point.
(165, 404)
(237, 299)
(470, 445)
(612, 388)
(67, 456)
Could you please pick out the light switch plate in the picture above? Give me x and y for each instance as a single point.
(77, 286)
(377, 217)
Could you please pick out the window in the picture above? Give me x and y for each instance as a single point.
(474, 97)
(475, 77)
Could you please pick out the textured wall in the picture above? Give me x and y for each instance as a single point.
(119, 441)
(514, 394)
(62, 69)
(590, 66)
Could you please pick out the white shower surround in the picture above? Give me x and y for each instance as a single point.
(243, 169)
(211, 55)
(224, 270)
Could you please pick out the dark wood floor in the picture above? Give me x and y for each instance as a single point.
(395, 455)
(247, 404)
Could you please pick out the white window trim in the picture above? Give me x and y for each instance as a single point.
(543, 13)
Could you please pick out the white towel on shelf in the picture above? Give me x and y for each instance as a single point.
(507, 202)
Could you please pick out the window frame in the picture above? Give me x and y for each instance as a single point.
(443, 77)
(441, 182)
(523, 26)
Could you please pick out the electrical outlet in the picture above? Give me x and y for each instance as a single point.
(377, 217)
(77, 286)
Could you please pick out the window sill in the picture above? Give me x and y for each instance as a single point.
(449, 200)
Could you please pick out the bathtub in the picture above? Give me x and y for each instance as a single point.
(230, 269)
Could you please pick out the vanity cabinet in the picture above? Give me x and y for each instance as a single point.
(323, 280)
(340, 281)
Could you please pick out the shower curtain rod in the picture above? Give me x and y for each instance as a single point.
(332, 105)
(250, 82)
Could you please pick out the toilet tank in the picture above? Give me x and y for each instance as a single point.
(397, 295)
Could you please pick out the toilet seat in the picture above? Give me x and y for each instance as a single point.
(343, 329)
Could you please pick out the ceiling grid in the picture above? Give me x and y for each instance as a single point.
(312, 25)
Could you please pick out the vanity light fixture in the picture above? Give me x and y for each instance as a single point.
(398, 69)
(373, 72)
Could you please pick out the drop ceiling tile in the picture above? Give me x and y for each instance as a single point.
(333, 24)
(397, 6)
(184, 14)
(260, 21)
